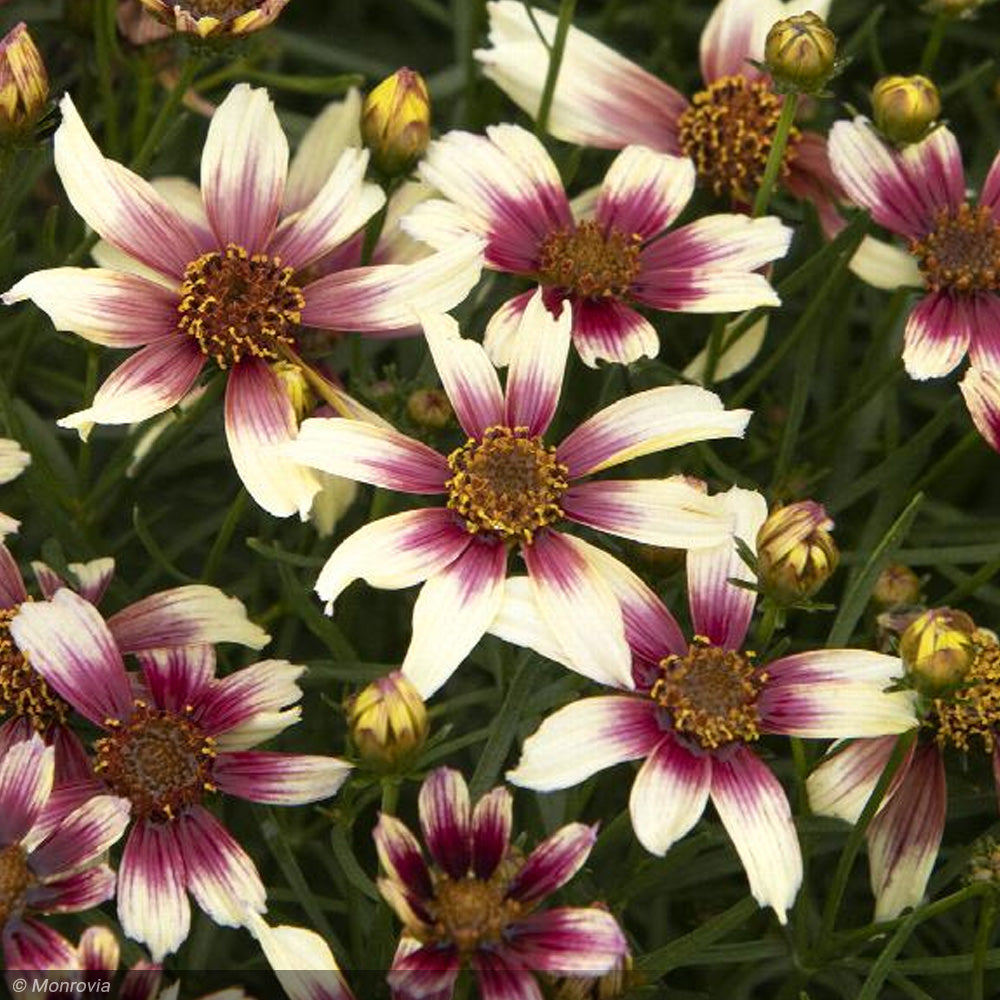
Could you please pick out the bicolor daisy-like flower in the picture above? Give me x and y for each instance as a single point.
(168, 742)
(612, 255)
(225, 279)
(603, 99)
(50, 854)
(904, 836)
(476, 905)
(215, 18)
(699, 707)
(952, 252)
(13, 461)
(506, 488)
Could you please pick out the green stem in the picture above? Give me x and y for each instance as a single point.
(165, 115)
(390, 795)
(225, 536)
(715, 339)
(566, 10)
(776, 155)
(769, 622)
(987, 919)
(104, 37)
(946, 461)
(933, 46)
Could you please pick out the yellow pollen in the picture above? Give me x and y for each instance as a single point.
(590, 262)
(508, 482)
(15, 878)
(159, 759)
(23, 691)
(962, 252)
(237, 305)
(711, 694)
(728, 131)
(469, 912)
(974, 708)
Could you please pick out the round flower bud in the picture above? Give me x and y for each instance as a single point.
(801, 53)
(905, 107)
(388, 722)
(938, 648)
(429, 408)
(396, 121)
(24, 84)
(897, 585)
(984, 864)
(795, 553)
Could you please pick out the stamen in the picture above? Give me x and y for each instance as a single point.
(973, 710)
(469, 912)
(961, 252)
(24, 693)
(590, 262)
(15, 878)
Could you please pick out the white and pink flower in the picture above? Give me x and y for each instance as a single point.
(171, 738)
(694, 710)
(505, 488)
(225, 278)
(476, 904)
(13, 461)
(610, 256)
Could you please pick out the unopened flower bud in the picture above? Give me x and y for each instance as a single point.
(905, 107)
(215, 18)
(984, 864)
(296, 388)
(938, 648)
(897, 585)
(429, 408)
(388, 722)
(795, 553)
(396, 121)
(24, 84)
(801, 53)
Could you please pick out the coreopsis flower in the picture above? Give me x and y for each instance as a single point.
(168, 742)
(225, 279)
(215, 18)
(50, 856)
(388, 721)
(13, 461)
(904, 836)
(24, 84)
(506, 488)
(952, 253)
(796, 554)
(476, 904)
(603, 99)
(396, 121)
(612, 257)
(697, 708)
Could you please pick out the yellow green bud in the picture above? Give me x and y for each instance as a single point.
(795, 553)
(429, 408)
(801, 53)
(897, 585)
(24, 84)
(938, 648)
(388, 722)
(396, 121)
(296, 388)
(905, 107)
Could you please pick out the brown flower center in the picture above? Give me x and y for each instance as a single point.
(15, 878)
(237, 305)
(590, 262)
(728, 130)
(974, 708)
(23, 691)
(508, 483)
(160, 760)
(711, 694)
(469, 912)
(222, 9)
(962, 252)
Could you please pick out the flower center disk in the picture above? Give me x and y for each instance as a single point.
(239, 305)
(974, 708)
(728, 131)
(15, 878)
(469, 912)
(961, 252)
(23, 691)
(160, 760)
(589, 261)
(711, 694)
(508, 482)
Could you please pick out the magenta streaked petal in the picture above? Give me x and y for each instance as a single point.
(28, 945)
(721, 611)
(990, 193)
(90, 579)
(424, 973)
(236, 699)
(491, 825)
(504, 326)
(734, 34)
(453, 612)
(755, 812)
(220, 875)
(99, 950)
(27, 771)
(152, 905)
(400, 855)
(371, 454)
(12, 592)
(446, 820)
(569, 941)
(609, 330)
(585, 737)
(407, 905)
(150, 382)
(468, 376)
(981, 390)
(244, 164)
(811, 179)
(938, 333)
(669, 795)
(72, 648)
(553, 863)
(904, 838)
(934, 166)
(83, 836)
(284, 779)
(260, 420)
(64, 800)
(178, 677)
(73, 893)
(502, 976)
(984, 346)
(142, 982)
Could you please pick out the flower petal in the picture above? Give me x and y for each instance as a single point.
(452, 613)
(669, 795)
(27, 771)
(885, 265)
(553, 863)
(585, 737)
(12, 592)
(82, 890)
(90, 579)
(28, 945)
(608, 330)
(445, 819)
(984, 348)
(244, 164)
(83, 836)
(736, 356)
(755, 812)
(423, 972)
(72, 648)
(399, 854)
(938, 333)
(735, 33)
(503, 327)
(179, 676)
(492, 820)
(981, 390)
(283, 779)
(583, 941)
